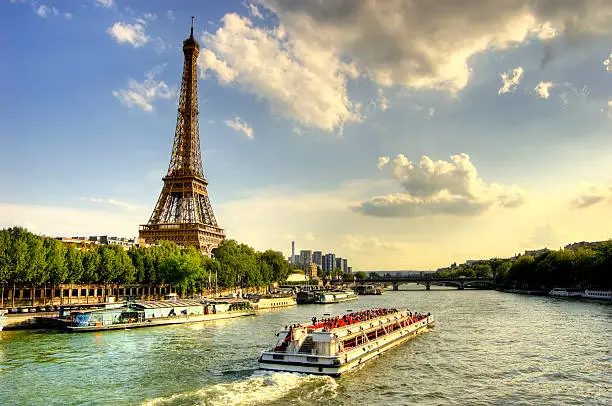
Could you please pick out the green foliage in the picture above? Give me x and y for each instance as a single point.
(361, 276)
(29, 259)
(586, 267)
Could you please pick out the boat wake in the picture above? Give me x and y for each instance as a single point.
(262, 387)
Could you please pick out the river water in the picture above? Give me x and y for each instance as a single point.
(487, 348)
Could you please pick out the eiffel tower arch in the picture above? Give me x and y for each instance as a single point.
(183, 213)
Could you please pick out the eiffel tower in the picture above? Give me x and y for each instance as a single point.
(183, 213)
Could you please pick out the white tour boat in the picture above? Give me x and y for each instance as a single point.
(273, 301)
(563, 292)
(335, 296)
(3, 319)
(597, 294)
(337, 345)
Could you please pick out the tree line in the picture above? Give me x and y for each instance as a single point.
(584, 267)
(27, 259)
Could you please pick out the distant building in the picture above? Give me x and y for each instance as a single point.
(124, 242)
(338, 264)
(575, 245)
(329, 262)
(292, 252)
(535, 253)
(344, 265)
(317, 259)
(305, 258)
(296, 261)
(350, 269)
(311, 270)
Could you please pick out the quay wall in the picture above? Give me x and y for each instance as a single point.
(26, 296)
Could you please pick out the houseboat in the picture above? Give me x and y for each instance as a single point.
(157, 313)
(337, 345)
(597, 294)
(563, 292)
(273, 301)
(335, 296)
(369, 290)
(307, 294)
(3, 319)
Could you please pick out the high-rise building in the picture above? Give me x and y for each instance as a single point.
(350, 269)
(296, 261)
(317, 259)
(344, 265)
(292, 251)
(329, 262)
(305, 258)
(338, 264)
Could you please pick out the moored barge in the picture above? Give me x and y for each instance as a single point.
(157, 313)
(337, 345)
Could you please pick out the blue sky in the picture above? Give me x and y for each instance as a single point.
(333, 124)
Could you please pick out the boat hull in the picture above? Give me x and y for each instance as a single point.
(162, 321)
(344, 362)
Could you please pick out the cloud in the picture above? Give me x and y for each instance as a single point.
(112, 202)
(360, 243)
(299, 80)
(593, 195)
(237, 124)
(542, 89)
(382, 161)
(608, 63)
(511, 80)
(67, 221)
(428, 45)
(129, 33)
(105, 3)
(44, 11)
(440, 187)
(141, 95)
(254, 11)
(170, 15)
(382, 102)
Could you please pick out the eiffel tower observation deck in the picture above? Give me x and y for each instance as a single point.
(183, 213)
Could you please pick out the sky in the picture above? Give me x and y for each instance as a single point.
(397, 134)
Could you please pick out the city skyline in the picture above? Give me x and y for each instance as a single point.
(404, 137)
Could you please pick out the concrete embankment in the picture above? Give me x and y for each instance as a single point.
(26, 320)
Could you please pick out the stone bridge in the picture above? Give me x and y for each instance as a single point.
(460, 282)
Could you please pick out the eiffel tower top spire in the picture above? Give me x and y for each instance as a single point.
(186, 158)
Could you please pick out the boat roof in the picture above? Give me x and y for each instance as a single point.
(150, 304)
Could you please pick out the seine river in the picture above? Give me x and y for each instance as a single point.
(487, 348)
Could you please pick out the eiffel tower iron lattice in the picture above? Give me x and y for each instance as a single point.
(183, 213)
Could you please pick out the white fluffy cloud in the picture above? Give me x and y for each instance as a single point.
(254, 11)
(593, 195)
(129, 33)
(427, 44)
(237, 124)
(383, 102)
(43, 11)
(142, 95)
(298, 79)
(542, 89)
(112, 202)
(511, 80)
(105, 3)
(440, 187)
(382, 161)
(608, 63)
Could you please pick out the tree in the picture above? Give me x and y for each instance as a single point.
(56, 266)
(74, 261)
(361, 276)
